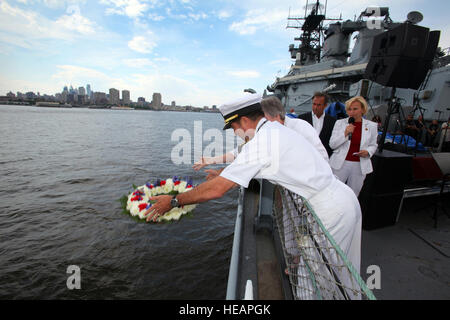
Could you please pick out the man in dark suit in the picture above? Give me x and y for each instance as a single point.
(323, 123)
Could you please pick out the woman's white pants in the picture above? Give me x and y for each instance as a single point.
(350, 173)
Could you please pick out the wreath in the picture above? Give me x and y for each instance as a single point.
(138, 202)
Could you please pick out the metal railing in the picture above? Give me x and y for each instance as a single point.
(317, 267)
(235, 253)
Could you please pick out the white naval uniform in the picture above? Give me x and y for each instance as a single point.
(307, 131)
(300, 168)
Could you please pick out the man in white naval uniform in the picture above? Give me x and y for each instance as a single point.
(271, 154)
(274, 111)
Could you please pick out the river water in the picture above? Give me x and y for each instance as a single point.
(61, 174)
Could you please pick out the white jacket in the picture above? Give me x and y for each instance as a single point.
(340, 144)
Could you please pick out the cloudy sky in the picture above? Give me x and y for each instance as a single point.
(198, 52)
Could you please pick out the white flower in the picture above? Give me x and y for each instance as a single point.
(167, 188)
(177, 214)
(190, 207)
(147, 191)
(158, 190)
(141, 214)
(183, 184)
(182, 187)
(169, 182)
(134, 210)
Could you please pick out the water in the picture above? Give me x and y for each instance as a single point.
(61, 174)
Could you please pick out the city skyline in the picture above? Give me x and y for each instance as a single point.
(191, 51)
(115, 96)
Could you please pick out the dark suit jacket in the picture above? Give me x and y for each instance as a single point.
(327, 129)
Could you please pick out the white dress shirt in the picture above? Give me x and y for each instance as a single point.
(318, 122)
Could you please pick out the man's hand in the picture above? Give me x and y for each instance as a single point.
(203, 162)
(159, 208)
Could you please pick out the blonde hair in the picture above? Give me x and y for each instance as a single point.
(361, 100)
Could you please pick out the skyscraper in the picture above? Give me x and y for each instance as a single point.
(126, 97)
(88, 89)
(114, 96)
(156, 102)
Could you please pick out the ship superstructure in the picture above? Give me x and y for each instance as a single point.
(323, 59)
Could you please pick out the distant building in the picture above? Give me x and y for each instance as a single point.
(88, 90)
(173, 104)
(10, 95)
(126, 97)
(114, 96)
(141, 101)
(30, 95)
(156, 102)
(100, 98)
(81, 91)
(71, 98)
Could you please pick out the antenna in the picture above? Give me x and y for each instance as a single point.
(311, 38)
(414, 17)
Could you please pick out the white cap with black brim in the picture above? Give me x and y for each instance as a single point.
(232, 110)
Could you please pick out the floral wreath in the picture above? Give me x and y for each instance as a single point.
(138, 202)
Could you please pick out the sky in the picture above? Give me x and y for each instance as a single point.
(194, 52)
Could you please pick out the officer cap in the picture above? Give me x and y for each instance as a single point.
(232, 110)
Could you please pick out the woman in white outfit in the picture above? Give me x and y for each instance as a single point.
(353, 145)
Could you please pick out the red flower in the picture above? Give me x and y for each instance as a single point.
(163, 182)
(137, 198)
(142, 206)
(176, 183)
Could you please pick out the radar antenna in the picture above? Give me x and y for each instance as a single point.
(311, 36)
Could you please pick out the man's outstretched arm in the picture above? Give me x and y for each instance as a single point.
(209, 190)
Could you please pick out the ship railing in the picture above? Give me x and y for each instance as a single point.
(317, 267)
(446, 51)
(444, 60)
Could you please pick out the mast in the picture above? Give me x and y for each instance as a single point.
(311, 37)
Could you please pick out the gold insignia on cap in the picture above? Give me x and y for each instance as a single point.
(230, 118)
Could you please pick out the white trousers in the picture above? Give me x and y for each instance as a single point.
(350, 173)
(340, 212)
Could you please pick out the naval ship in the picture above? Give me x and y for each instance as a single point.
(323, 60)
(406, 227)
